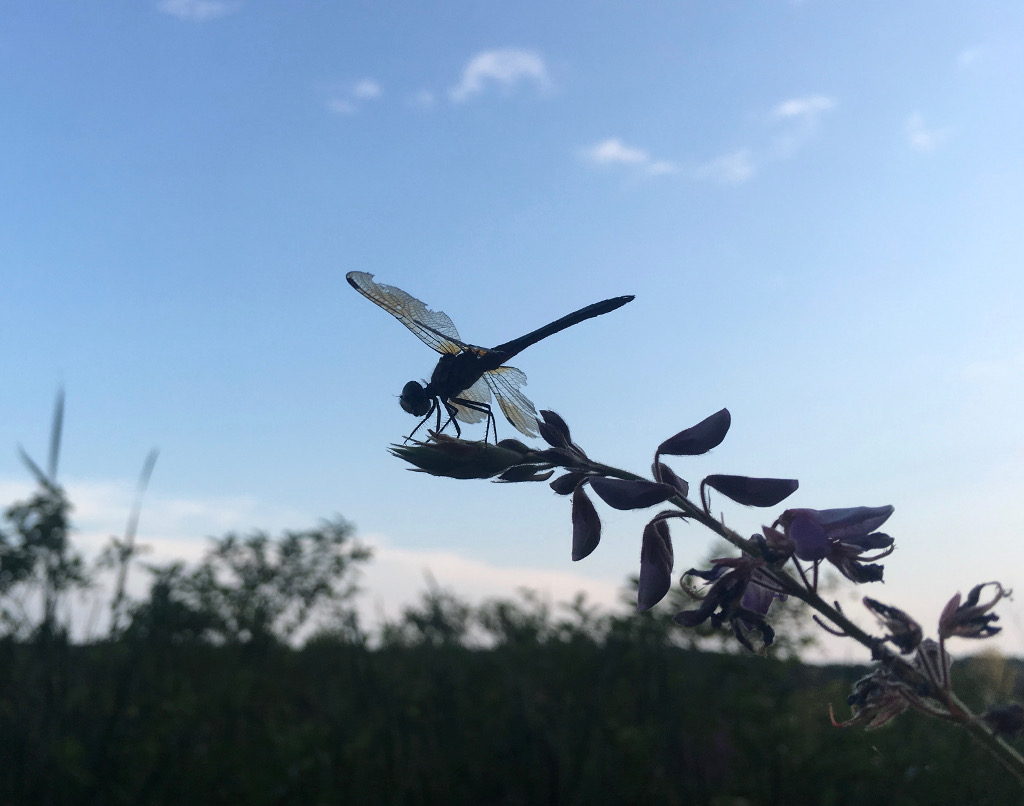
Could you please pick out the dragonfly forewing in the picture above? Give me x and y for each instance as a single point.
(433, 328)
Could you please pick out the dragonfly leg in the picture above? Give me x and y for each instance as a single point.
(433, 407)
(452, 411)
(476, 406)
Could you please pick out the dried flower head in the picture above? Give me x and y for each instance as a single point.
(876, 700)
(904, 633)
(972, 618)
(455, 458)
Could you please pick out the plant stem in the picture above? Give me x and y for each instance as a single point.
(958, 711)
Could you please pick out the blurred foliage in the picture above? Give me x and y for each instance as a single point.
(545, 712)
(248, 679)
(251, 589)
(38, 564)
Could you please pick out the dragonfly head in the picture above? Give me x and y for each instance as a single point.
(415, 400)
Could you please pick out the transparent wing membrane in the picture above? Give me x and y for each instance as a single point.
(517, 408)
(477, 393)
(433, 328)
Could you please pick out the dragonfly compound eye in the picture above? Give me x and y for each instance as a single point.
(414, 399)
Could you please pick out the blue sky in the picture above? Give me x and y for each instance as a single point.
(818, 206)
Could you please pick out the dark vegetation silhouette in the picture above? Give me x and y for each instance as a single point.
(248, 679)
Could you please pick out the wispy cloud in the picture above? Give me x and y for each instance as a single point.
(614, 152)
(366, 89)
(920, 137)
(504, 68)
(797, 121)
(198, 10)
(809, 108)
(347, 101)
(734, 168)
(790, 125)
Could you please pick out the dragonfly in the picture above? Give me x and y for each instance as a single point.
(467, 375)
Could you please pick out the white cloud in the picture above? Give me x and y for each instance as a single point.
(347, 101)
(506, 67)
(920, 137)
(102, 507)
(614, 152)
(395, 577)
(798, 120)
(807, 108)
(198, 10)
(730, 169)
(366, 89)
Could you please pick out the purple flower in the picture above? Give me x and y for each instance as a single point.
(841, 536)
(740, 595)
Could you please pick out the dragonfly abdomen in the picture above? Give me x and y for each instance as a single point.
(510, 348)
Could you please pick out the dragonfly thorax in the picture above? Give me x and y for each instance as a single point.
(415, 400)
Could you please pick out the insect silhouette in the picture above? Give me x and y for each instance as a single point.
(467, 375)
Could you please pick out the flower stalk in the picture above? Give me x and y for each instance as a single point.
(911, 672)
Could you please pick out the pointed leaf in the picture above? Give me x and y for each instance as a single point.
(552, 436)
(568, 482)
(34, 469)
(631, 494)
(753, 492)
(556, 456)
(701, 438)
(656, 558)
(55, 434)
(554, 430)
(514, 445)
(586, 525)
(140, 491)
(667, 475)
